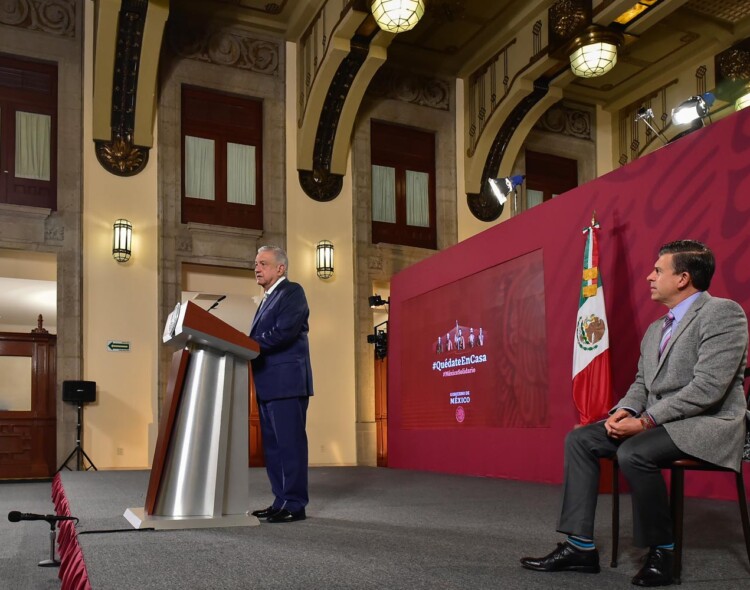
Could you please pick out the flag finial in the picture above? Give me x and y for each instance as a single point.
(593, 218)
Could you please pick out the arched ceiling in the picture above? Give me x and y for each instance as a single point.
(456, 36)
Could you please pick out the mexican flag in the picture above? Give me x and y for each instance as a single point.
(592, 378)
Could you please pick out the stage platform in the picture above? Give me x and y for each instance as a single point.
(375, 528)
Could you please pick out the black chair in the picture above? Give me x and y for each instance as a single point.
(677, 500)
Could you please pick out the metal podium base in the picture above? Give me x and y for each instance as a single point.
(140, 520)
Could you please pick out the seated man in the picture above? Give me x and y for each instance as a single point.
(687, 401)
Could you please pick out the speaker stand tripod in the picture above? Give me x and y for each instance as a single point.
(78, 451)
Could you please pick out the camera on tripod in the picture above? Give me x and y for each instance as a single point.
(379, 338)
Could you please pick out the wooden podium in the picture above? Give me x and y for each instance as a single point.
(199, 476)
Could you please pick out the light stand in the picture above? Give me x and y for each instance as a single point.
(51, 562)
(644, 115)
(78, 451)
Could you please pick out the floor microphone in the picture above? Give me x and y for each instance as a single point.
(15, 516)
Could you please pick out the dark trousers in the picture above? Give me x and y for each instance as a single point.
(641, 458)
(282, 426)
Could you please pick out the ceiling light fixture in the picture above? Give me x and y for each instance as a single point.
(594, 53)
(397, 16)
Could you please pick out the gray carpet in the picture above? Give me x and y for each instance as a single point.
(369, 528)
(26, 543)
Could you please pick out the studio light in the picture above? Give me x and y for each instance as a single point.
(743, 101)
(595, 52)
(397, 16)
(377, 301)
(503, 187)
(324, 259)
(694, 108)
(122, 239)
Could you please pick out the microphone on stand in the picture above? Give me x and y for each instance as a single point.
(15, 516)
(216, 303)
(50, 519)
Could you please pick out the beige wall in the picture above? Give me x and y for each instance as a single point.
(15, 386)
(331, 417)
(120, 304)
(16, 264)
(28, 288)
(238, 284)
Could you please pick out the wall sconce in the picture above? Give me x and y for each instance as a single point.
(122, 239)
(594, 53)
(324, 259)
(397, 16)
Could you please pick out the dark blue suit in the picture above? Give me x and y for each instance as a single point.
(283, 386)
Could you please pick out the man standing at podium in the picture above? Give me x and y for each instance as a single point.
(283, 384)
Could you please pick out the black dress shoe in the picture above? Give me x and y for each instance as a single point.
(565, 558)
(657, 571)
(265, 513)
(287, 516)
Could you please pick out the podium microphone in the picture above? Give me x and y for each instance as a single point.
(15, 516)
(216, 303)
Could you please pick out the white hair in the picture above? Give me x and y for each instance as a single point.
(279, 255)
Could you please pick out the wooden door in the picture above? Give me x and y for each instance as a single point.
(28, 429)
(253, 422)
(381, 409)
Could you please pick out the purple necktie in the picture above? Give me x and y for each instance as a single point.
(666, 332)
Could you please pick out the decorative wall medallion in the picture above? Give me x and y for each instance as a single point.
(483, 205)
(54, 231)
(566, 120)
(375, 263)
(412, 88)
(56, 17)
(184, 244)
(735, 64)
(567, 17)
(227, 47)
(121, 157)
(321, 185)
(256, 5)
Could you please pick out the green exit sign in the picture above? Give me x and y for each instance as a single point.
(118, 346)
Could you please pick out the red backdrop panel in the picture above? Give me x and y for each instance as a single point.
(698, 187)
(463, 374)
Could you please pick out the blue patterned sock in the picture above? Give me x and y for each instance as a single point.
(581, 543)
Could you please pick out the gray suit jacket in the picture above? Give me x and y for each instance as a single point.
(696, 388)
